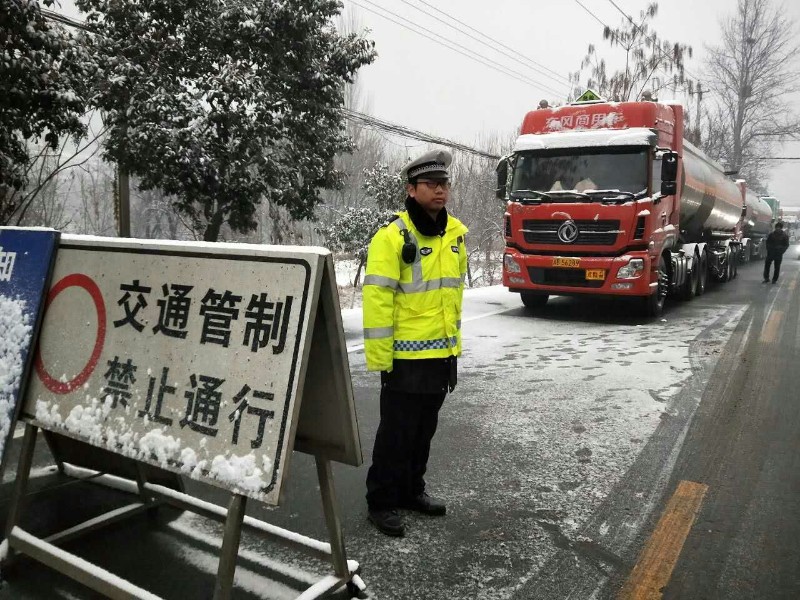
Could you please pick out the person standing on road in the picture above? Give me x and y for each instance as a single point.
(412, 295)
(777, 244)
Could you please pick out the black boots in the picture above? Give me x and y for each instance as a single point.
(388, 521)
(391, 523)
(427, 505)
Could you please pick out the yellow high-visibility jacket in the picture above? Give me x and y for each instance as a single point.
(413, 311)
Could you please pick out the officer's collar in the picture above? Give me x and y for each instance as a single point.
(423, 221)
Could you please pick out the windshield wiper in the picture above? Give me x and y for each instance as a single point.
(617, 194)
(604, 193)
(529, 195)
(570, 194)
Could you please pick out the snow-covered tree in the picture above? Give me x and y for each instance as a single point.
(353, 228)
(473, 201)
(384, 186)
(43, 69)
(220, 103)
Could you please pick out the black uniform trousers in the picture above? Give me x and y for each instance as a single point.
(777, 258)
(411, 397)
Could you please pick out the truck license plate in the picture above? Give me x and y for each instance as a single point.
(572, 263)
(595, 274)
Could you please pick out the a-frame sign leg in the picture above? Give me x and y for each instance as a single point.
(20, 483)
(338, 555)
(230, 548)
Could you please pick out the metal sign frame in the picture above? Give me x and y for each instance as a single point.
(322, 423)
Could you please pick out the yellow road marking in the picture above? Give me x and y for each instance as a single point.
(769, 334)
(656, 562)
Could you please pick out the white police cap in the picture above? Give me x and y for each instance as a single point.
(435, 163)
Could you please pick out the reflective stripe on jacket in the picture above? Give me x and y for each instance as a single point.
(413, 310)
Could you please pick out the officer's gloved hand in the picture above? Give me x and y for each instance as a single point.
(453, 377)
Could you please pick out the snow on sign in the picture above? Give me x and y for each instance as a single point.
(26, 257)
(189, 356)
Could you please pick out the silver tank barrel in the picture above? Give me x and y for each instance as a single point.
(758, 217)
(711, 204)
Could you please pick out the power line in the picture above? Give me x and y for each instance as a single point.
(778, 133)
(452, 45)
(467, 52)
(511, 53)
(407, 132)
(596, 18)
(64, 20)
(624, 14)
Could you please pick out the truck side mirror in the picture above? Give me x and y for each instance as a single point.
(502, 178)
(669, 173)
(744, 211)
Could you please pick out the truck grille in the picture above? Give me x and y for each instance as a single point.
(565, 277)
(590, 233)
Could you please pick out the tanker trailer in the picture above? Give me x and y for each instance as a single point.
(775, 205)
(607, 198)
(710, 216)
(756, 225)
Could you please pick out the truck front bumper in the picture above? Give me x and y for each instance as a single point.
(577, 275)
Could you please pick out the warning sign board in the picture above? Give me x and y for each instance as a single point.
(194, 357)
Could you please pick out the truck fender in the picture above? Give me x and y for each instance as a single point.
(730, 243)
(690, 250)
(747, 249)
(679, 268)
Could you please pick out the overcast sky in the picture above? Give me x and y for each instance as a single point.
(419, 83)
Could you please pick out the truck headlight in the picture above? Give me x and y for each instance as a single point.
(510, 265)
(632, 270)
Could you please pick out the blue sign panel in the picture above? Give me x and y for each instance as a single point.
(26, 264)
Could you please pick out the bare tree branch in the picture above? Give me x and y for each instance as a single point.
(59, 168)
(753, 72)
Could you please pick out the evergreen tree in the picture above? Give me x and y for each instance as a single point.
(352, 231)
(42, 98)
(221, 104)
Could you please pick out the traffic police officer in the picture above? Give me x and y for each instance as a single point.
(412, 296)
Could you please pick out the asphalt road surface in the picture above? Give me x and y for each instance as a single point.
(586, 453)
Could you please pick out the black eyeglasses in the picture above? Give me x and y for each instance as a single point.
(432, 185)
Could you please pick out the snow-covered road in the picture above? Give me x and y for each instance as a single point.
(550, 413)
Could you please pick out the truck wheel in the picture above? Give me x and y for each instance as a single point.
(690, 285)
(702, 275)
(654, 304)
(725, 275)
(534, 301)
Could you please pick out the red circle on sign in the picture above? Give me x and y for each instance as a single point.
(82, 281)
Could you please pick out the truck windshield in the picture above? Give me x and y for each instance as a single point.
(588, 171)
